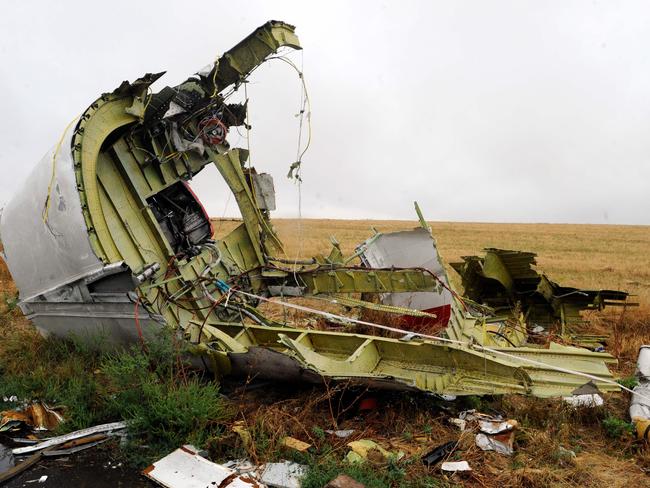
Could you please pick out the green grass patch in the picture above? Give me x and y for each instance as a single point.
(165, 402)
(392, 475)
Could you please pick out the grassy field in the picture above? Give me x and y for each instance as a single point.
(614, 256)
(606, 454)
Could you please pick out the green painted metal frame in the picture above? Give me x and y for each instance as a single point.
(116, 175)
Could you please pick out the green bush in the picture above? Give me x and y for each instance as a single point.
(617, 428)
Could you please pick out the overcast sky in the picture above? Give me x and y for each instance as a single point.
(499, 111)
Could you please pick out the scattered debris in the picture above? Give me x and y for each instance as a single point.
(286, 474)
(493, 427)
(42, 479)
(239, 427)
(55, 441)
(295, 444)
(460, 423)
(344, 481)
(496, 436)
(36, 415)
(439, 453)
(368, 450)
(342, 434)
(184, 468)
(77, 445)
(241, 466)
(503, 278)
(501, 443)
(455, 466)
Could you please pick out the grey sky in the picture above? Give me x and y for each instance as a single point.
(514, 111)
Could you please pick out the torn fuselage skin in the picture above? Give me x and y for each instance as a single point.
(123, 247)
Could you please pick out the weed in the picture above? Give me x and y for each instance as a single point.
(628, 382)
(616, 428)
(392, 475)
(165, 404)
(318, 432)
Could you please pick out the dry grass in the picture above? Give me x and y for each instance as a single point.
(613, 256)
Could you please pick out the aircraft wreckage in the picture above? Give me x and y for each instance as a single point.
(107, 239)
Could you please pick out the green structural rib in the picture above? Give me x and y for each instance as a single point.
(133, 152)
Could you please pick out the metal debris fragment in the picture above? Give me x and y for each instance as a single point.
(286, 474)
(37, 415)
(55, 441)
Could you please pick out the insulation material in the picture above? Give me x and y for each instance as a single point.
(640, 405)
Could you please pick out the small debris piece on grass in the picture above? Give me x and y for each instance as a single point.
(497, 436)
(55, 441)
(295, 444)
(342, 434)
(501, 443)
(286, 474)
(239, 427)
(184, 468)
(344, 481)
(497, 427)
(242, 466)
(368, 450)
(455, 466)
(439, 453)
(460, 423)
(42, 479)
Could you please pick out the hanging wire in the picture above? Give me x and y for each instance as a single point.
(48, 198)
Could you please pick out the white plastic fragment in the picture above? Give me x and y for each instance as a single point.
(341, 433)
(42, 479)
(286, 474)
(184, 468)
(590, 400)
(454, 466)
